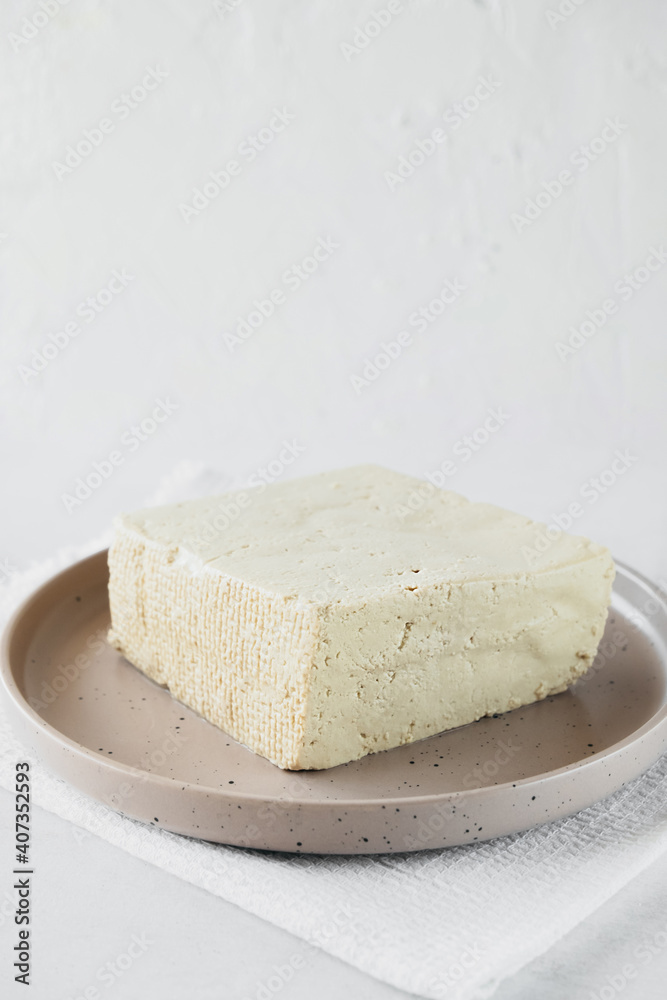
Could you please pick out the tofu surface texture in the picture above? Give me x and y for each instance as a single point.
(329, 617)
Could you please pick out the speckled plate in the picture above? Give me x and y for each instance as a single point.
(98, 722)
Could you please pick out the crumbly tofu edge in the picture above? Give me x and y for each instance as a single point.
(239, 657)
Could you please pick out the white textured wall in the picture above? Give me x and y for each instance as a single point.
(324, 176)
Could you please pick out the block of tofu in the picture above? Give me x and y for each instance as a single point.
(325, 618)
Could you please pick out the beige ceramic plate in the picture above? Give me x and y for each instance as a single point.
(111, 732)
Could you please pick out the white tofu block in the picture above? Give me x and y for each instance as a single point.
(325, 618)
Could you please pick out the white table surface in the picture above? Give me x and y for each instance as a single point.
(91, 898)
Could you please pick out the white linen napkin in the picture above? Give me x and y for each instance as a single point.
(442, 924)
